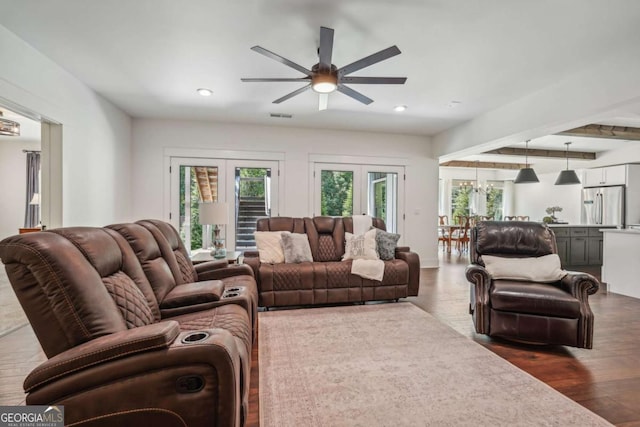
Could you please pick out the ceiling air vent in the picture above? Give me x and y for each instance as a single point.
(281, 116)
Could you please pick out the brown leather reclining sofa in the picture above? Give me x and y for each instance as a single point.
(135, 334)
(328, 279)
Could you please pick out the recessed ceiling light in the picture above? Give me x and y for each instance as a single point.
(203, 91)
(453, 104)
(399, 108)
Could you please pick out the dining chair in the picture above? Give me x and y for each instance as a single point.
(461, 236)
(523, 217)
(443, 235)
(510, 218)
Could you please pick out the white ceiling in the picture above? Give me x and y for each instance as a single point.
(149, 57)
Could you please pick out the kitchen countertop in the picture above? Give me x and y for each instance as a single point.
(580, 225)
(621, 230)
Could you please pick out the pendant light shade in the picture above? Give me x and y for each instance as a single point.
(526, 175)
(567, 177)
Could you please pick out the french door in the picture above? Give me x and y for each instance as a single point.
(245, 185)
(347, 189)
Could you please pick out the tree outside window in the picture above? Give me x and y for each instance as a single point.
(494, 203)
(460, 200)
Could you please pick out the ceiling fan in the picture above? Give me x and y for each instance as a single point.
(324, 77)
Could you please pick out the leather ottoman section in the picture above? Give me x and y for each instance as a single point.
(295, 297)
(535, 329)
(533, 298)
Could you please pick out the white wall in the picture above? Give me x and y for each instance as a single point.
(534, 199)
(13, 184)
(96, 134)
(151, 137)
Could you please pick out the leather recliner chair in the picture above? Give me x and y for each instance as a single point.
(550, 313)
(113, 359)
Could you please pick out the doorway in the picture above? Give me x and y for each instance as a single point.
(349, 189)
(247, 187)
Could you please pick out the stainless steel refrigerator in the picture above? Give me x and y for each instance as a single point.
(603, 206)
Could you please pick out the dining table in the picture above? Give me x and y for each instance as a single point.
(449, 229)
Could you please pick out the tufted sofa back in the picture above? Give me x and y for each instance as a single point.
(76, 284)
(326, 237)
(149, 255)
(519, 239)
(172, 249)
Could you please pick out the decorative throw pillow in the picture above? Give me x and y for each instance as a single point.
(544, 269)
(269, 245)
(386, 244)
(296, 247)
(360, 247)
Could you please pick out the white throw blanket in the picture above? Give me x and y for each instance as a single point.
(368, 268)
(361, 224)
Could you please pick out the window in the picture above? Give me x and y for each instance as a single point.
(350, 189)
(494, 196)
(460, 199)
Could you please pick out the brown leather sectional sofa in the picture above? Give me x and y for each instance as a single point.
(328, 279)
(135, 334)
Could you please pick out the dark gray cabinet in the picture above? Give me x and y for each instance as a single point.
(579, 246)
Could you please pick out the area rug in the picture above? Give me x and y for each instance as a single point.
(394, 365)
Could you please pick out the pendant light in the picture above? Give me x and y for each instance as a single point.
(567, 177)
(526, 175)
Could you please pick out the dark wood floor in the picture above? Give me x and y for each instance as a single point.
(605, 379)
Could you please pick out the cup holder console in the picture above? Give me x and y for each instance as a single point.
(233, 289)
(195, 337)
(231, 295)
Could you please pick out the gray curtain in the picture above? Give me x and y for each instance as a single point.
(32, 212)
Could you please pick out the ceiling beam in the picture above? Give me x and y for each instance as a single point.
(483, 165)
(512, 151)
(605, 131)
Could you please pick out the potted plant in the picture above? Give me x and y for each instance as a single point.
(551, 218)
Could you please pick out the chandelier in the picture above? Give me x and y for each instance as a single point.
(9, 127)
(475, 186)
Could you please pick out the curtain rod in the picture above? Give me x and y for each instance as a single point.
(31, 151)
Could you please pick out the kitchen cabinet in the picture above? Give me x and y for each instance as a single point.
(579, 246)
(609, 175)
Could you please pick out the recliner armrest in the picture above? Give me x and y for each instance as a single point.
(193, 293)
(413, 261)
(103, 349)
(580, 285)
(229, 271)
(402, 249)
(251, 254)
(210, 265)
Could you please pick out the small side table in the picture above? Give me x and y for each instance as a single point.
(29, 230)
(203, 255)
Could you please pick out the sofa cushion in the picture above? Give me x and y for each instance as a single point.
(269, 245)
(386, 244)
(361, 247)
(545, 269)
(296, 248)
(534, 298)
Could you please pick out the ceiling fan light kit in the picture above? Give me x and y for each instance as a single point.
(567, 176)
(526, 175)
(324, 77)
(324, 83)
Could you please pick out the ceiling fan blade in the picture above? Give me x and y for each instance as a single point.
(369, 60)
(374, 80)
(323, 101)
(281, 59)
(277, 79)
(354, 94)
(326, 48)
(292, 94)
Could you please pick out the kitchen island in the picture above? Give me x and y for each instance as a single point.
(621, 266)
(579, 245)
